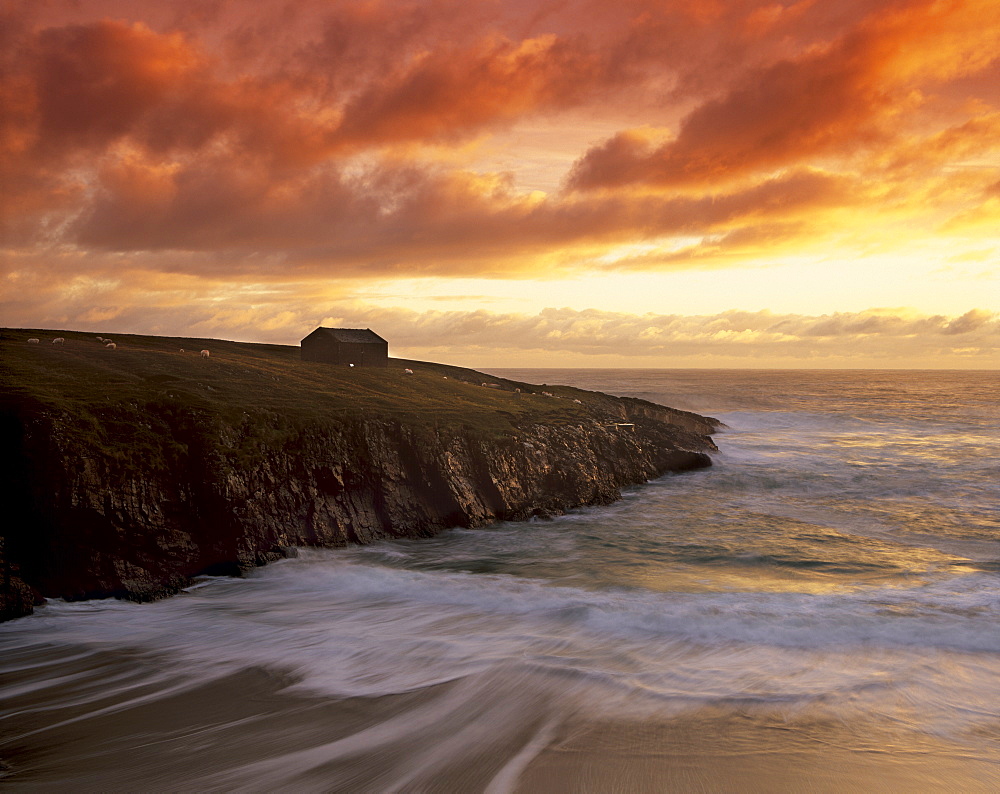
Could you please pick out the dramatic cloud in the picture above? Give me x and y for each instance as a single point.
(447, 93)
(290, 143)
(837, 98)
(395, 219)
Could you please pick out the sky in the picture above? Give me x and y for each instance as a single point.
(637, 183)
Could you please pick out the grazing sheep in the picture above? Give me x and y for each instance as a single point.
(182, 349)
(204, 354)
(577, 402)
(32, 341)
(111, 346)
(101, 339)
(58, 340)
(407, 371)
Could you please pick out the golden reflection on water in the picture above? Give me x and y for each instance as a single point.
(773, 581)
(696, 581)
(779, 562)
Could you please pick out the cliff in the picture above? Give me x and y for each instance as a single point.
(136, 468)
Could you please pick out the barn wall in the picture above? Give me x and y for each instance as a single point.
(367, 354)
(376, 355)
(316, 347)
(326, 350)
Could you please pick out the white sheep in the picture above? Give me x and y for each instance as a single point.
(407, 371)
(204, 354)
(32, 341)
(101, 339)
(182, 349)
(111, 346)
(58, 340)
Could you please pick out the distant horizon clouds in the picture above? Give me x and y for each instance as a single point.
(258, 168)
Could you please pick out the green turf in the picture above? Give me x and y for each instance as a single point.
(83, 378)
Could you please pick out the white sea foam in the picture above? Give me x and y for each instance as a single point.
(349, 628)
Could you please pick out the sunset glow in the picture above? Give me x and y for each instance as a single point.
(699, 183)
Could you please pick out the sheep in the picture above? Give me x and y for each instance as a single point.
(111, 346)
(182, 349)
(577, 402)
(204, 354)
(58, 340)
(407, 371)
(101, 339)
(33, 342)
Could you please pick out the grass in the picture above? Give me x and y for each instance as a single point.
(82, 377)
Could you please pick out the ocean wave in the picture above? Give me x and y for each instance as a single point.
(333, 603)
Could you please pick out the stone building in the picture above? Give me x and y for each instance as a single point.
(361, 347)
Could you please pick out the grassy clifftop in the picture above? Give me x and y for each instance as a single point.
(82, 375)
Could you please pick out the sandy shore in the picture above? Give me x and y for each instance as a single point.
(107, 722)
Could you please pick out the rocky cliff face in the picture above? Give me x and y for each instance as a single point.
(173, 491)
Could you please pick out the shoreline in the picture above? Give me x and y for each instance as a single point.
(253, 730)
(138, 468)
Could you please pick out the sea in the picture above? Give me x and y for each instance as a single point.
(818, 611)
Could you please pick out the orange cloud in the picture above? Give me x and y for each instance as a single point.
(306, 140)
(95, 83)
(408, 220)
(831, 99)
(446, 93)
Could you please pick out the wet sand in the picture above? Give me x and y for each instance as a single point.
(104, 722)
(711, 752)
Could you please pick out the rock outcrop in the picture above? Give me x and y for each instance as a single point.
(173, 489)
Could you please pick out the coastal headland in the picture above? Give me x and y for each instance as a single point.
(131, 469)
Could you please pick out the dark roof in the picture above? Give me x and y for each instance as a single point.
(357, 335)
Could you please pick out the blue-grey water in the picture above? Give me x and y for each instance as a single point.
(818, 611)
